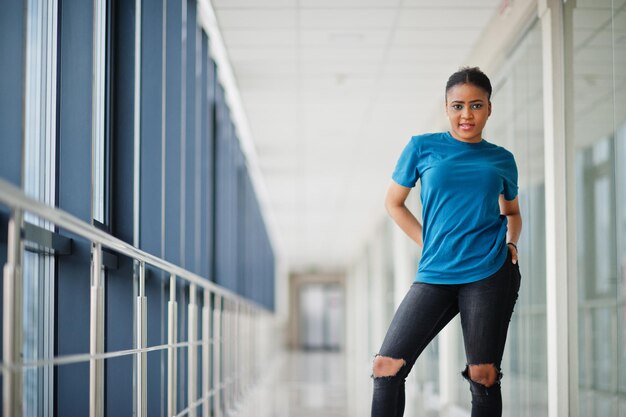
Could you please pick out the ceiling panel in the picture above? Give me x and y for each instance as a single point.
(347, 19)
(248, 4)
(350, 4)
(257, 19)
(357, 56)
(343, 37)
(434, 38)
(248, 37)
(483, 5)
(438, 18)
(240, 55)
(333, 90)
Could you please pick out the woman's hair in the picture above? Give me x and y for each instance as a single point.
(470, 75)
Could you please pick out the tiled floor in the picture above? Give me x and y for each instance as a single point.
(313, 384)
(304, 384)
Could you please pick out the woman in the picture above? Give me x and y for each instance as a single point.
(469, 264)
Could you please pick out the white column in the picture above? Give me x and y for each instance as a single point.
(558, 287)
(448, 372)
(404, 266)
(377, 296)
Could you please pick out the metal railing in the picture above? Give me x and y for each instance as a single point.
(229, 343)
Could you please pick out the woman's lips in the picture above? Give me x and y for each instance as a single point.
(466, 126)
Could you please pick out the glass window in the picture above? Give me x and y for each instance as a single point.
(39, 182)
(596, 51)
(517, 124)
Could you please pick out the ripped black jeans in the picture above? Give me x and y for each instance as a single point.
(485, 306)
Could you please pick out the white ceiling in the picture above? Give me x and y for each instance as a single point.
(333, 90)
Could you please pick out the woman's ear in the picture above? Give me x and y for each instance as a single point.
(489, 114)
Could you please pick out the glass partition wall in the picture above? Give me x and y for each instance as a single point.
(595, 132)
(596, 121)
(517, 124)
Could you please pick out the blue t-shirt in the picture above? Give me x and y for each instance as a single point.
(464, 234)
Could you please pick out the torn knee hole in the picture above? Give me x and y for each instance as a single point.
(385, 366)
(485, 374)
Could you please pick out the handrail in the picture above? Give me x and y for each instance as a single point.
(15, 197)
(227, 341)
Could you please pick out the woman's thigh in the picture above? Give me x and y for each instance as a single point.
(486, 307)
(424, 311)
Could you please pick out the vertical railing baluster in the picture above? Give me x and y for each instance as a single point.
(225, 346)
(12, 318)
(237, 348)
(252, 342)
(257, 354)
(244, 341)
(231, 354)
(249, 342)
(141, 338)
(172, 334)
(206, 352)
(217, 341)
(192, 357)
(96, 334)
(244, 348)
(229, 349)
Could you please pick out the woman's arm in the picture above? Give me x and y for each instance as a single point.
(511, 210)
(394, 203)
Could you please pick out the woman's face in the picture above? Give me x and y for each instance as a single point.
(468, 109)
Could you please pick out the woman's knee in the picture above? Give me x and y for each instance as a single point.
(484, 374)
(386, 367)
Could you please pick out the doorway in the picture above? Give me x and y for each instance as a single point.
(321, 316)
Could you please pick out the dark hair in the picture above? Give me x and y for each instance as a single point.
(470, 75)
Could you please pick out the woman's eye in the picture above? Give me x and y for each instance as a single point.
(476, 106)
(457, 106)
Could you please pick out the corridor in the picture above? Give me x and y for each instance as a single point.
(194, 211)
(302, 384)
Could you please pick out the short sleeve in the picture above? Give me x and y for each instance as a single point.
(406, 173)
(510, 179)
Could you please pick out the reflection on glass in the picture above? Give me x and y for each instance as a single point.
(517, 124)
(596, 49)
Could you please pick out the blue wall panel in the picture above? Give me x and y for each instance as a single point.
(207, 161)
(119, 283)
(119, 336)
(244, 260)
(151, 98)
(151, 192)
(11, 89)
(191, 256)
(72, 335)
(224, 192)
(74, 196)
(174, 193)
(156, 298)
